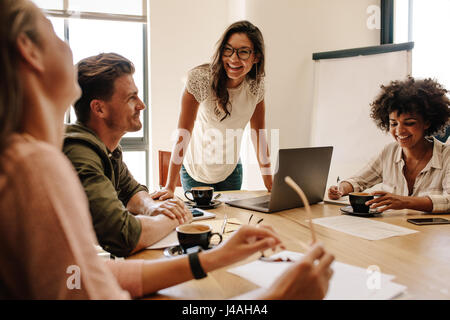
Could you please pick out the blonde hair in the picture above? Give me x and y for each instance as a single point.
(16, 17)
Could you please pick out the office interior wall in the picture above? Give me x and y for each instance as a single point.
(183, 35)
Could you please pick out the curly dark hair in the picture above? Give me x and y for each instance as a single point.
(425, 97)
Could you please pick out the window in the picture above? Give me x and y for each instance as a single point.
(94, 26)
(134, 160)
(133, 7)
(426, 23)
(50, 4)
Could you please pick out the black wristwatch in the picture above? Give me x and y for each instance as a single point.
(194, 262)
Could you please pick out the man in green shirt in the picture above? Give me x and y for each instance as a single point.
(126, 219)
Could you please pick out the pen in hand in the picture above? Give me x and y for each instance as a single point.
(225, 220)
(337, 192)
(337, 184)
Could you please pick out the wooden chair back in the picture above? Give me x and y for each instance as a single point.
(164, 161)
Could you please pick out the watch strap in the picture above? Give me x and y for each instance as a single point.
(196, 267)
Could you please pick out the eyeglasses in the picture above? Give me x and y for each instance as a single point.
(242, 53)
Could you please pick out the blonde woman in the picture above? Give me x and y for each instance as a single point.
(46, 232)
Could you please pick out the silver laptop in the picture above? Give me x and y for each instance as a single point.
(308, 167)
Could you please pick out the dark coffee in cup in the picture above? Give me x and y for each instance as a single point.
(358, 201)
(191, 235)
(200, 195)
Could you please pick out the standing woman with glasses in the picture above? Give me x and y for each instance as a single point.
(220, 98)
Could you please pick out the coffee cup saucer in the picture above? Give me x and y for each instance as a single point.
(173, 251)
(176, 251)
(349, 210)
(212, 205)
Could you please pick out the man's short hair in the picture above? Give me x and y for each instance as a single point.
(96, 76)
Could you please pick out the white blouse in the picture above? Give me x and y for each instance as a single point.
(387, 168)
(213, 151)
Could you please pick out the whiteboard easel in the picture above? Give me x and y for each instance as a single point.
(343, 91)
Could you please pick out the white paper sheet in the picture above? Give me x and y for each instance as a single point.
(216, 225)
(170, 240)
(363, 227)
(348, 282)
(341, 201)
(240, 196)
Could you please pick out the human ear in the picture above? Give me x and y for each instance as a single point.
(98, 108)
(31, 54)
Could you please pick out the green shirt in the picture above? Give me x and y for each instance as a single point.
(108, 185)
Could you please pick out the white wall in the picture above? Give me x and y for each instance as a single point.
(183, 34)
(293, 30)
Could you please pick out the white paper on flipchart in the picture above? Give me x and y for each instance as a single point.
(348, 282)
(363, 227)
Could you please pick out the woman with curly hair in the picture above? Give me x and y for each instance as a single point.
(415, 169)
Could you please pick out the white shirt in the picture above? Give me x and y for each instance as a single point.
(387, 168)
(213, 152)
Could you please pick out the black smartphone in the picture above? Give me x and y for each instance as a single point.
(425, 221)
(196, 213)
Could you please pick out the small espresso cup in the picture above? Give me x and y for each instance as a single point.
(191, 235)
(201, 195)
(358, 201)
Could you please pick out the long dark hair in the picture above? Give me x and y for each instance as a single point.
(219, 76)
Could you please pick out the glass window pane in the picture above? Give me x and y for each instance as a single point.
(130, 7)
(50, 4)
(430, 53)
(58, 26)
(91, 37)
(73, 116)
(135, 161)
(401, 21)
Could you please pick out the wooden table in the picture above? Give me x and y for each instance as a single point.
(420, 261)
